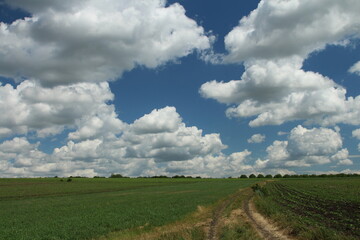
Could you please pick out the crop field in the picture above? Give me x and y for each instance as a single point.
(52, 208)
(314, 208)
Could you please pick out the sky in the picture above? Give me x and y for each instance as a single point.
(200, 88)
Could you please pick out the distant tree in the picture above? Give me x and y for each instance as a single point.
(341, 175)
(243, 176)
(161, 176)
(278, 176)
(286, 176)
(252, 176)
(177, 176)
(260, 176)
(116, 175)
(268, 176)
(198, 177)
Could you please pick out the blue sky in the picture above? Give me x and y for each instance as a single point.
(179, 87)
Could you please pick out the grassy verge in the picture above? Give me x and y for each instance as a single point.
(234, 224)
(313, 208)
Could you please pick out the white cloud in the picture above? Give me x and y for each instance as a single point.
(85, 150)
(164, 120)
(30, 107)
(273, 42)
(213, 166)
(282, 29)
(356, 133)
(92, 41)
(280, 91)
(345, 162)
(18, 153)
(157, 143)
(256, 138)
(162, 135)
(355, 68)
(313, 142)
(305, 148)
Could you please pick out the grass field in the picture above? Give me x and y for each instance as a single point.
(89, 208)
(314, 208)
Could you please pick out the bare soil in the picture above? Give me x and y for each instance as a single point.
(264, 227)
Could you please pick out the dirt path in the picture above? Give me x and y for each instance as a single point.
(265, 229)
(217, 215)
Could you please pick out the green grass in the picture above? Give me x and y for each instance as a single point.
(89, 208)
(314, 208)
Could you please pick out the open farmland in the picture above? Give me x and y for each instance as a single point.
(314, 208)
(90, 208)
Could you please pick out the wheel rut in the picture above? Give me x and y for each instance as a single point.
(264, 228)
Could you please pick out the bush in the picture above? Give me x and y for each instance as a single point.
(177, 176)
(116, 175)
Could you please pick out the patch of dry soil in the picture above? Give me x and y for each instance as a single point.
(266, 229)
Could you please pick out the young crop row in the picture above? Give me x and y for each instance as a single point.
(339, 214)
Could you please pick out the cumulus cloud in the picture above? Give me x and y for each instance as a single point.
(30, 107)
(162, 135)
(92, 41)
(280, 91)
(219, 166)
(305, 148)
(158, 121)
(256, 138)
(356, 133)
(157, 143)
(281, 29)
(17, 155)
(355, 68)
(273, 41)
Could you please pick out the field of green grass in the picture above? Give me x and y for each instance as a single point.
(314, 208)
(49, 208)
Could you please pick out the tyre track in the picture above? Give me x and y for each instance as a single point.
(265, 229)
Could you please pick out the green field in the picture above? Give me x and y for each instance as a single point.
(49, 208)
(314, 208)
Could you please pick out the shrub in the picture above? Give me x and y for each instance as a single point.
(117, 175)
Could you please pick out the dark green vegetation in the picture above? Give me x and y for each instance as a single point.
(313, 208)
(83, 208)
